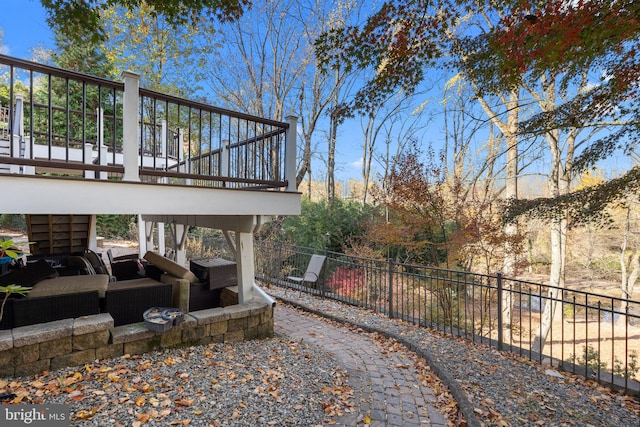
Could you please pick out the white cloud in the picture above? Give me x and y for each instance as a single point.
(357, 163)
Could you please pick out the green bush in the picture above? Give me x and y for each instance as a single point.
(115, 226)
(13, 222)
(323, 224)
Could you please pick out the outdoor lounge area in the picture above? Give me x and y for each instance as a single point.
(173, 163)
(72, 319)
(68, 291)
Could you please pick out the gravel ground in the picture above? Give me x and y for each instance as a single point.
(260, 383)
(502, 389)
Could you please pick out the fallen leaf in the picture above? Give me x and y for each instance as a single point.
(76, 395)
(183, 402)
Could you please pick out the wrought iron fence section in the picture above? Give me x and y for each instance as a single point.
(589, 334)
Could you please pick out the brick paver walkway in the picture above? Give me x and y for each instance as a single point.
(389, 395)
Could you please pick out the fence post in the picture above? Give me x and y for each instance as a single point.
(500, 320)
(390, 289)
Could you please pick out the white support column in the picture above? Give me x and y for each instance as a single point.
(148, 235)
(179, 233)
(142, 237)
(162, 246)
(130, 126)
(93, 233)
(246, 268)
(290, 153)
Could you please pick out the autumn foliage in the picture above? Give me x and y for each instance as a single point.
(431, 221)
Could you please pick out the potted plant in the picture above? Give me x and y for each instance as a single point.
(8, 253)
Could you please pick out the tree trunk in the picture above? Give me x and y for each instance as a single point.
(510, 229)
(559, 184)
(331, 159)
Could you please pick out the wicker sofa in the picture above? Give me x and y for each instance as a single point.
(55, 297)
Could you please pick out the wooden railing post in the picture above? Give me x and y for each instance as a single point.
(290, 153)
(130, 122)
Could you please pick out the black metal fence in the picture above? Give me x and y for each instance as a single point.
(597, 336)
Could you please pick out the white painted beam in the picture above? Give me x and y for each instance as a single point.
(38, 195)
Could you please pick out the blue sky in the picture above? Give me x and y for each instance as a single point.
(25, 28)
(24, 25)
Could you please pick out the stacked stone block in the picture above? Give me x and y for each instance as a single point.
(34, 349)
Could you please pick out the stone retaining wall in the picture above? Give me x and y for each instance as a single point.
(33, 349)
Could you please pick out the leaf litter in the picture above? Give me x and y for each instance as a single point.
(266, 382)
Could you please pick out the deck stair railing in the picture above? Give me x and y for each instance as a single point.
(80, 125)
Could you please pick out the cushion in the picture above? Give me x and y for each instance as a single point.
(133, 283)
(29, 275)
(70, 285)
(170, 267)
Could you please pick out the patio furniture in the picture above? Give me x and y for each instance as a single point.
(126, 301)
(200, 295)
(217, 273)
(124, 267)
(311, 274)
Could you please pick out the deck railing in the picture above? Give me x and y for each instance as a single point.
(597, 336)
(69, 123)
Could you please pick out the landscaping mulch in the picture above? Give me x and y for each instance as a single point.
(500, 388)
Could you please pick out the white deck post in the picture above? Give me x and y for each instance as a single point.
(290, 153)
(246, 268)
(142, 236)
(148, 234)
(179, 234)
(162, 246)
(93, 233)
(130, 125)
